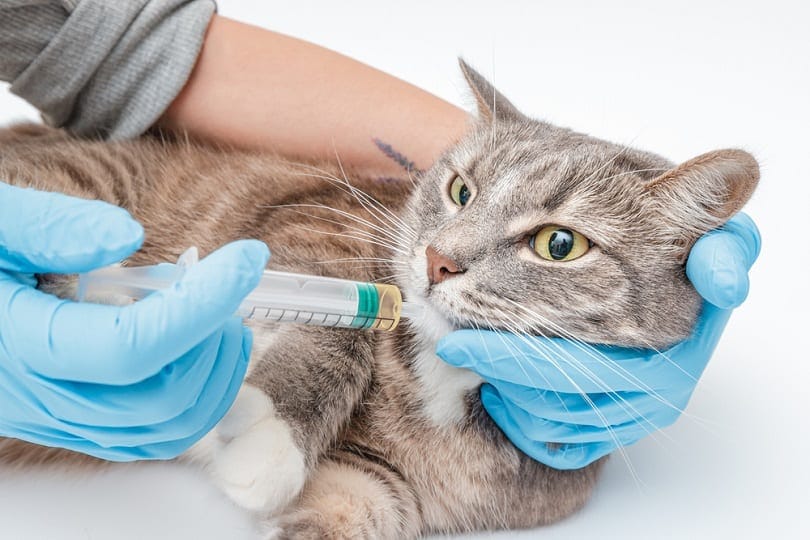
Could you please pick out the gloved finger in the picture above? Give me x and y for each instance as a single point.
(50, 232)
(536, 428)
(172, 449)
(123, 345)
(154, 400)
(719, 261)
(231, 360)
(557, 364)
(565, 456)
(599, 410)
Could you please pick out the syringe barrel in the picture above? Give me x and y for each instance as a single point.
(323, 301)
(280, 296)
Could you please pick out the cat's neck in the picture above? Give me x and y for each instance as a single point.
(443, 388)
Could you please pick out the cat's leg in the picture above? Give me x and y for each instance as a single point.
(351, 497)
(302, 388)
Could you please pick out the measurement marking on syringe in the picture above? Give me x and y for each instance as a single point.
(320, 318)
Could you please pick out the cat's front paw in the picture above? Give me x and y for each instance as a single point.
(261, 470)
(252, 456)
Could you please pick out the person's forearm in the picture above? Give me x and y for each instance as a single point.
(259, 89)
(98, 68)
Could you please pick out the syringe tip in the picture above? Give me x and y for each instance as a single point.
(411, 310)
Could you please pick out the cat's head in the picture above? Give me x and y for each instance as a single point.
(527, 226)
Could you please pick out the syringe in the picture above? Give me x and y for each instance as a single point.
(279, 297)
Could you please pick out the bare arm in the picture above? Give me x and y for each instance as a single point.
(260, 89)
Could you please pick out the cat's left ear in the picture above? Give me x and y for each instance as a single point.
(492, 105)
(702, 194)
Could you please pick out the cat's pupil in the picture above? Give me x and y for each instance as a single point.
(560, 244)
(463, 195)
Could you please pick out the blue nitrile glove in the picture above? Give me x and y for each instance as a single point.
(144, 381)
(539, 399)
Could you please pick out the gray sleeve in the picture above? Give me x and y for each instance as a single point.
(105, 68)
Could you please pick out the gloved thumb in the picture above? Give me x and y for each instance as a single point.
(719, 261)
(50, 232)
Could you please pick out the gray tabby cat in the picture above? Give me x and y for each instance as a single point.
(521, 226)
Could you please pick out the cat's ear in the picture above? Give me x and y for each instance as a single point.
(491, 103)
(702, 194)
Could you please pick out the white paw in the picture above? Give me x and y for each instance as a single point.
(250, 407)
(251, 454)
(262, 469)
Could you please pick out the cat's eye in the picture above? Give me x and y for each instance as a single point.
(459, 192)
(556, 243)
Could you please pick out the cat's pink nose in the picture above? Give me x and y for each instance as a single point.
(440, 267)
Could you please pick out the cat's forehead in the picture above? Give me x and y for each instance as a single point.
(543, 175)
(548, 159)
(530, 174)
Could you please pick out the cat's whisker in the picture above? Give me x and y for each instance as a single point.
(704, 423)
(382, 228)
(580, 367)
(372, 205)
(391, 277)
(635, 171)
(514, 326)
(615, 396)
(534, 344)
(594, 353)
(394, 233)
(292, 207)
(618, 154)
(611, 433)
(410, 178)
(383, 217)
(384, 210)
(353, 237)
(516, 352)
(381, 261)
(363, 263)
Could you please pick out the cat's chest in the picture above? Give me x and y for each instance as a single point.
(442, 389)
(412, 378)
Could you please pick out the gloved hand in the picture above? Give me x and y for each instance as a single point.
(144, 381)
(540, 399)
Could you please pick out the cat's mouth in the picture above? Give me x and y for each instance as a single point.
(443, 304)
(440, 311)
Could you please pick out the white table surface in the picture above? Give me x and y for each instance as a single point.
(678, 78)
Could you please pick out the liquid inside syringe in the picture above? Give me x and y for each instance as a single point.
(279, 297)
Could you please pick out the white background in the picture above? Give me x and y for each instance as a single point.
(678, 79)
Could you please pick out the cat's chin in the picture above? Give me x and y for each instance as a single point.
(433, 322)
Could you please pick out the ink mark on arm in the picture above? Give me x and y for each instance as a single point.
(397, 157)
